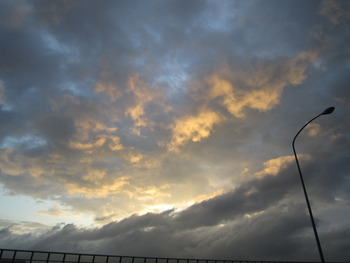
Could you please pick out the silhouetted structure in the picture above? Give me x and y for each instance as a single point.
(325, 112)
(29, 256)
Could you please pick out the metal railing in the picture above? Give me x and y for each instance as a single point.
(29, 256)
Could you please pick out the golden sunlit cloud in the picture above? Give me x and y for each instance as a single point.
(89, 126)
(99, 188)
(109, 89)
(142, 96)
(208, 196)
(150, 193)
(313, 129)
(235, 100)
(112, 141)
(193, 128)
(295, 72)
(264, 88)
(92, 134)
(141, 160)
(88, 146)
(94, 175)
(35, 170)
(59, 212)
(135, 158)
(9, 165)
(274, 166)
(25, 227)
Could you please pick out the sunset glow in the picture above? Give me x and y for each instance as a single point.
(164, 128)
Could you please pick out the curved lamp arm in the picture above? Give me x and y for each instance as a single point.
(325, 112)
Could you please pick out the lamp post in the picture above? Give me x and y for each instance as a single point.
(325, 112)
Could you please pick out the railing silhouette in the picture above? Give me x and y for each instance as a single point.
(29, 256)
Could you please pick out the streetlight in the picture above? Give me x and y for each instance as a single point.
(325, 112)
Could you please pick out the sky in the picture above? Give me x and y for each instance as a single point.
(165, 128)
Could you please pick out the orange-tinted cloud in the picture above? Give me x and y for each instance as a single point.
(193, 128)
(260, 89)
(109, 89)
(142, 96)
(93, 134)
(313, 129)
(274, 166)
(99, 188)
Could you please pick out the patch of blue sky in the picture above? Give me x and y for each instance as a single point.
(79, 89)
(48, 212)
(17, 206)
(174, 75)
(139, 61)
(57, 47)
(72, 88)
(52, 43)
(154, 33)
(219, 16)
(176, 81)
(27, 141)
(135, 39)
(5, 106)
(320, 65)
(274, 53)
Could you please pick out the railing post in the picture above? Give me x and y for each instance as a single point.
(31, 257)
(14, 256)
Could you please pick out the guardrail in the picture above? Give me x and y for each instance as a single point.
(29, 256)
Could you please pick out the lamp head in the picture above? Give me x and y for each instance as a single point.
(328, 111)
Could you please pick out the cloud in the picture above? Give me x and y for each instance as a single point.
(258, 88)
(193, 128)
(116, 112)
(336, 12)
(142, 97)
(313, 129)
(110, 89)
(1, 91)
(228, 226)
(16, 15)
(273, 166)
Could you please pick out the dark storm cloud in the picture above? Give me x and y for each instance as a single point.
(260, 219)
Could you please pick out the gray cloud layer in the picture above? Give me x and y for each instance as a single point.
(113, 108)
(266, 216)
